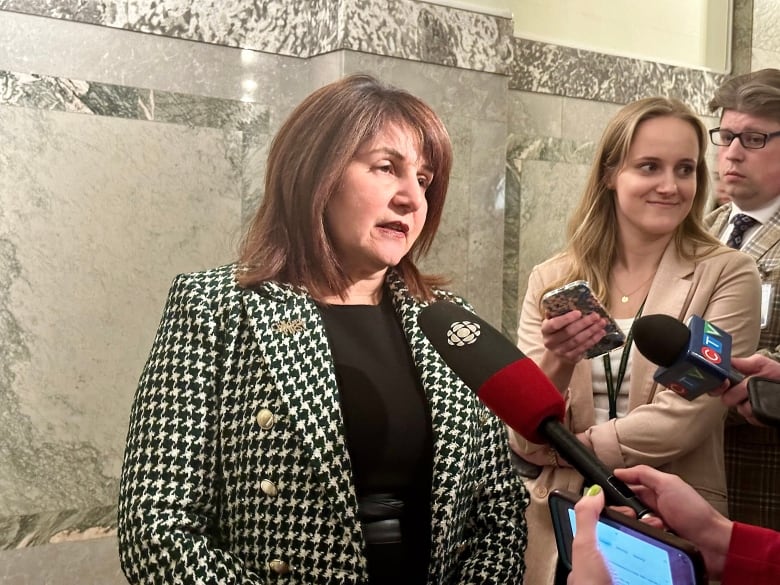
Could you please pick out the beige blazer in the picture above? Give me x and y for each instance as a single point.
(661, 429)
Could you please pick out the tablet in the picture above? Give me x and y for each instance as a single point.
(635, 553)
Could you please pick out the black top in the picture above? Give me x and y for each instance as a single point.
(387, 419)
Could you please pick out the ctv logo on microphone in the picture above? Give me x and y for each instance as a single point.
(704, 363)
(711, 345)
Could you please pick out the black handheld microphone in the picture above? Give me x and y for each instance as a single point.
(516, 390)
(693, 359)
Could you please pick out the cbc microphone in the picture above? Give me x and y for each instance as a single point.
(693, 360)
(513, 387)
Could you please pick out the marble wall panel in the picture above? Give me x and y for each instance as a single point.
(584, 121)
(763, 59)
(741, 36)
(550, 147)
(98, 176)
(535, 114)
(98, 214)
(550, 189)
(428, 32)
(487, 197)
(543, 185)
(766, 23)
(92, 562)
(759, 39)
(533, 120)
(408, 29)
(765, 42)
(73, 50)
(449, 254)
(711, 157)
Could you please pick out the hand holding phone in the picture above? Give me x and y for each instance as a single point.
(634, 552)
(578, 295)
(764, 396)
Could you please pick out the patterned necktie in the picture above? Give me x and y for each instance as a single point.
(742, 223)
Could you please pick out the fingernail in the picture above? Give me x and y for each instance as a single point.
(593, 490)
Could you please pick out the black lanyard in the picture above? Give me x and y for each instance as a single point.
(612, 389)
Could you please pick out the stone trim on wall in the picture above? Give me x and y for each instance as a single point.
(439, 35)
(45, 92)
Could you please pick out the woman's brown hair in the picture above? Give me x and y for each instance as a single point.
(287, 240)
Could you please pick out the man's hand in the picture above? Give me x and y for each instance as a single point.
(737, 396)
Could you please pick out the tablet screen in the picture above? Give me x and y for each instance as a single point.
(634, 558)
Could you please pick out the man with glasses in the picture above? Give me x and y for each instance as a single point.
(748, 141)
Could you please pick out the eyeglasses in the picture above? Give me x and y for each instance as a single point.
(752, 140)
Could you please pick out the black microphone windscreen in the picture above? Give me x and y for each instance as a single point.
(660, 338)
(477, 349)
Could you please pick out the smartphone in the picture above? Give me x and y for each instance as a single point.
(764, 396)
(577, 295)
(635, 553)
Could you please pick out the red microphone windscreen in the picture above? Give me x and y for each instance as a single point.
(523, 397)
(510, 384)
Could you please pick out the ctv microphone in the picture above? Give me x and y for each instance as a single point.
(693, 360)
(516, 390)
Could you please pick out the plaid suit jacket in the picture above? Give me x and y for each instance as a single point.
(764, 248)
(753, 453)
(236, 468)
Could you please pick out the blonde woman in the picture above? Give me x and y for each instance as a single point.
(637, 237)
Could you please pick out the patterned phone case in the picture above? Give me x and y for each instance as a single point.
(577, 295)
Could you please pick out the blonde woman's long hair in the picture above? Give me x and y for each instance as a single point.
(592, 228)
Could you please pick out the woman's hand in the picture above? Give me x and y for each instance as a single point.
(588, 566)
(566, 338)
(570, 335)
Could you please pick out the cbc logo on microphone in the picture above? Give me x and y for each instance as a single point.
(463, 333)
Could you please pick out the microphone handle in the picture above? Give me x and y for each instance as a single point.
(617, 493)
(735, 377)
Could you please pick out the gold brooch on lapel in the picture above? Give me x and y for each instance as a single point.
(289, 327)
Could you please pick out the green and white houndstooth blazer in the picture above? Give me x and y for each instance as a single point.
(236, 468)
